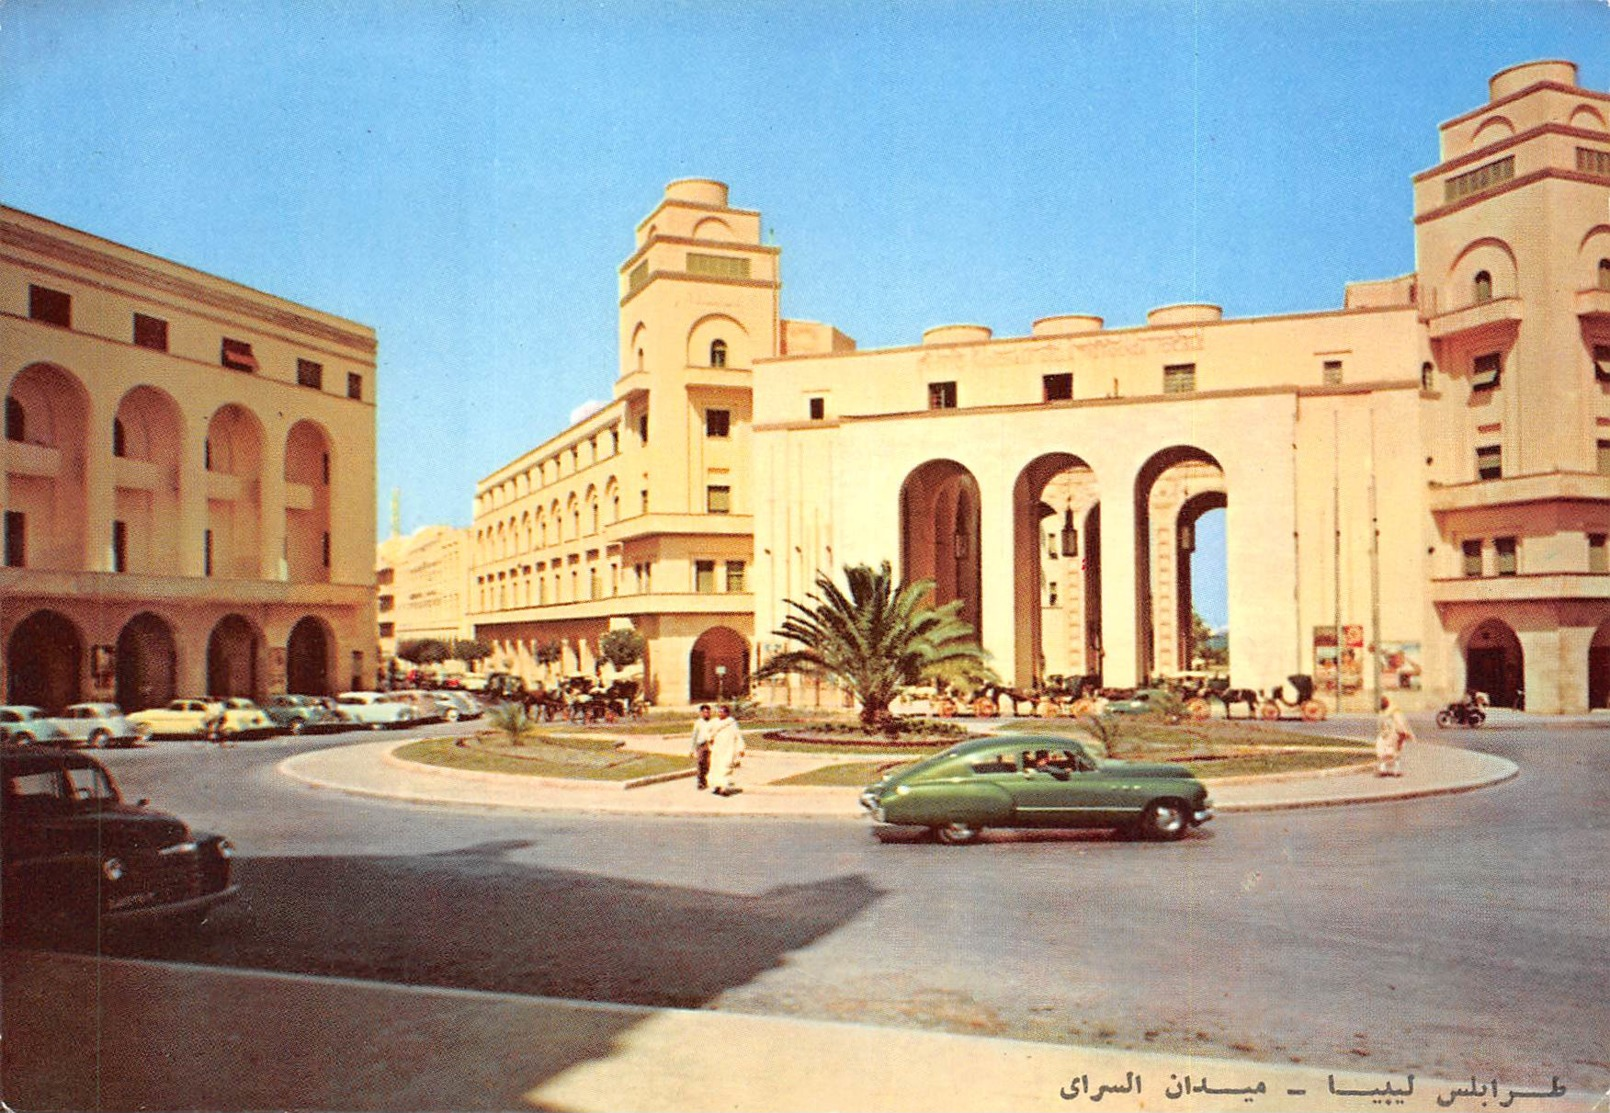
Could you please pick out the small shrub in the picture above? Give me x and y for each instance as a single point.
(511, 722)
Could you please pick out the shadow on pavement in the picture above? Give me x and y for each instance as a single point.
(83, 1034)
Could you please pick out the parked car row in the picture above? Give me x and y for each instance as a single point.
(105, 724)
(82, 724)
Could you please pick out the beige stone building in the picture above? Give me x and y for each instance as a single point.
(422, 586)
(187, 477)
(1422, 475)
(1419, 478)
(641, 514)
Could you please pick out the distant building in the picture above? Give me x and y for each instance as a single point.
(187, 476)
(640, 514)
(1420, 477)
(422, 588)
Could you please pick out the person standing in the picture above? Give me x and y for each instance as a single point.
(726, 747)
(1391, 732)
(704, 729)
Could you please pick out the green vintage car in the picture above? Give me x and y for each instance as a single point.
(1037, 781)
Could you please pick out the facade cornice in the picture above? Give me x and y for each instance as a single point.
(1493, 106)
(64, 250)
(199, 365)
(1087, 337)
(701, 206)
(703, 280)
(600, 422)
(1558, 173)
(1298, 392)
(686, 241)
(1486, 154)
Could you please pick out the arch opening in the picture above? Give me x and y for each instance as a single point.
(232, 658)
(147, 663)
(1057, 571)
(1173, 490)
(309, 658)
(45, 662)
(718, 666)
(1495, 663)
(939, 535)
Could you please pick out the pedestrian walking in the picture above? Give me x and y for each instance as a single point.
(726, 747)
(704, 729)
(1391, 732)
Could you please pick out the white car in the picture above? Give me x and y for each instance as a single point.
(23, 726)
(99, 724)
(235, 717)
(457, 705)
(376, 709)
(181, 717)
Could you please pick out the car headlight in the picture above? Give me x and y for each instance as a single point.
(226, 849)
(112, 869)
(901, 790)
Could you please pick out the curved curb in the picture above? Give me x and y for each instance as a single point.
(548, 794)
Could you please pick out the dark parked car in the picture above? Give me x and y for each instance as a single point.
(76, 857)
(1034, 781)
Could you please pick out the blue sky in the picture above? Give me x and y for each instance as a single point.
(465, 177)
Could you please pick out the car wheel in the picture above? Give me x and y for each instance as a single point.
(298, 726)
(21, 738)
(1164, 820)
(957, 834)
(1444, 719)
(1269, 711)
(1313, 711)
(451, 715)
(99, 738)
(1477, 718)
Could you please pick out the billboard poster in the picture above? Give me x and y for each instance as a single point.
(1400, 665)
(1351, 666)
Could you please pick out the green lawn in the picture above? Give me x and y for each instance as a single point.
(578, 758)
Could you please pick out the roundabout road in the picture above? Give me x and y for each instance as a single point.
(1449, 936)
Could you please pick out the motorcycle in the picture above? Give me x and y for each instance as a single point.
(1463, 713)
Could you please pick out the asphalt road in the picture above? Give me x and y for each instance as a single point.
(1450, 936)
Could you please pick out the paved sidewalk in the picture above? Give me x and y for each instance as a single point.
(370, 769)
(341, 1044)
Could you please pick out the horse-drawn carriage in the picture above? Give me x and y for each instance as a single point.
(1199, 705)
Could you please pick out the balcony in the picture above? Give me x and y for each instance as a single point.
(133, 587)
(38, 460)
(620, 606)
(1495, 591)
(703, 525)
(1494, 315)
(1520, 490)
(1592, 304)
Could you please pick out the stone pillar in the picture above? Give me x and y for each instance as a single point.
(1120, 640)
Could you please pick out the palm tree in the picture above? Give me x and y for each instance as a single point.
(875, 639)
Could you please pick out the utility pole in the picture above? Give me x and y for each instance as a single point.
(1375, 580)
(1336, 544)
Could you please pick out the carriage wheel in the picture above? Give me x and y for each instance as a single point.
(1269, 710)
(1313, 711)
(984, 708)
(1198, 709)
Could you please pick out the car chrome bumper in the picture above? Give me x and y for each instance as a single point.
(1202, 815)
(172, 908)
